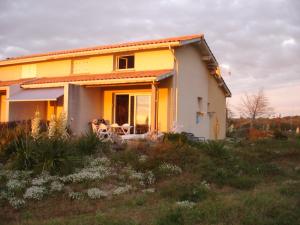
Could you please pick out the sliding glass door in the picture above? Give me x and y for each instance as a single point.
(142, 113)
(133, 109)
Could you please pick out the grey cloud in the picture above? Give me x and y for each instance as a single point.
(245, 34)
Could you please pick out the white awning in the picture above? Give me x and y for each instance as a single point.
(45, 94)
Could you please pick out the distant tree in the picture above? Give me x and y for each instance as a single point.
(229, 111)
(255, 106)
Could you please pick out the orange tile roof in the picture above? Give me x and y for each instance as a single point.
(102, 47)
(106, 76)
(13, 82)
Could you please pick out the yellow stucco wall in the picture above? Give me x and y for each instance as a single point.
(3, 116)
(10, 72)
(54, 68)
(154, 60)
(101, 64)
(54, 107)
(144, 60)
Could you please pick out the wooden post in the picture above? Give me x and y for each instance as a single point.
(154, 104)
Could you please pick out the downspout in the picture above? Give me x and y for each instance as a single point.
(175, 94)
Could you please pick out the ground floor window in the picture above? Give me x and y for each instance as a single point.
(133, 109)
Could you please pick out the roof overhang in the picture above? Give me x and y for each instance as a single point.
(89, 53)
(149, 79)
(30, 95)
(212, 64)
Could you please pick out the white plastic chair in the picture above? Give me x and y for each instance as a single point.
(104, 132)
(95, 129)
(126, 128)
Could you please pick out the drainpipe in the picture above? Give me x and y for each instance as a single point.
(175, 85)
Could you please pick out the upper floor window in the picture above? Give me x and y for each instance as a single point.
(125, 62)
(29, 71)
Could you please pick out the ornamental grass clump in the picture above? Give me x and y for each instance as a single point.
(35, 192)
(35, 125)
(58, 126)
(95, 193)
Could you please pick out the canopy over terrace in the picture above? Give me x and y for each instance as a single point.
(30, 95)
(23, 103)
(84, 94)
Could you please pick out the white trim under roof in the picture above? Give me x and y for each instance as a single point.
(30, 95)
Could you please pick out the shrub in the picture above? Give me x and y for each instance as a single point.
(87, 143)
(291, 189)
(179, 138)
(193, 192)
(217, 149)
(167, 169)
(279, 135)
(55, 155)
(242, 182)
(171, 217)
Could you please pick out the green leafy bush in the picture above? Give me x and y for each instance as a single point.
(278, 134)
(217, 149)
(179, 191)
(87, 143)
(171, 217)
(243, 182)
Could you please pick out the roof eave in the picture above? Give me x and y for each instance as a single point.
(89, 53)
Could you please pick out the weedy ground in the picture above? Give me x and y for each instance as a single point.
(172, 182)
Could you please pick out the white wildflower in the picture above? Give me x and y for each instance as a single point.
(185, 204)
(42, 179)
(122, 190)
(88, 174)
(16, 202)
(56, 186)
(35, 125)
(143, 158)
(148, 190)
(170, 169)
(134, 175)
(15, 184)
(103, 161)
(95, 193)
(149, 178)
(205, 184)
(75, 195)
(35, 192)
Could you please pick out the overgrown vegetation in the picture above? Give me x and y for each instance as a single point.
(175, 181)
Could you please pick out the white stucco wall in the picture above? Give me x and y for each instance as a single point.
(192, 83)
(83, 106)
(217, 105)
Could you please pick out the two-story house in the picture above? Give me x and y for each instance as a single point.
(148, 84)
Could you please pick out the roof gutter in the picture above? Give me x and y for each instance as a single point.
(87, 53)
(99, 82)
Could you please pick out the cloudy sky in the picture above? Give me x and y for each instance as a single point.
(257, 42)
